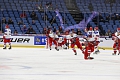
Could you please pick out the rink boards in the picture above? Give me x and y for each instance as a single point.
(40, 42)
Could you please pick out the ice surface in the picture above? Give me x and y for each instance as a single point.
(43, 64)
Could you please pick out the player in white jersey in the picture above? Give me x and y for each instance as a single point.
(116, 39)
(75, 41)
(89, 43)
(90, 34)
(96, 39)
(52, 39)
(7, 37)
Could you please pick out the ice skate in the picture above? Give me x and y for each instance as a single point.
(56, 48)
(118, 53)
(90, 57)
(96, 52)
(4, 48)
(65, 48)
(9, 47)
(113, 53)
(75, 53)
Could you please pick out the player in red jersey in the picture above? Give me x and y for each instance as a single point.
(52, 39)
(116, 39)
(75, 41)
(66, 40)
(89, 44)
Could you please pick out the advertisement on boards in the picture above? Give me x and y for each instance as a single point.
(40, 40)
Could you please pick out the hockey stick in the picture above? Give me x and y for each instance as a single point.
(101, 48)
(68, 44)
(108, 38)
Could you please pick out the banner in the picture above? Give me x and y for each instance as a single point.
(60, 18)
(40, 40)
(82, 24)
(20, 40)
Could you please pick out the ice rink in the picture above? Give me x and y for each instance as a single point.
(43, 64)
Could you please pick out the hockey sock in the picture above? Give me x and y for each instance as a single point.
(74, 51)
(115, 51)
(96, 48)
(9, 45)
(86, 55)
(4, 45)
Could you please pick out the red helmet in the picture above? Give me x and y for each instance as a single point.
(96, 28)
(90, 28)
(86, 29)
(67, 32)
(7, 26)
(118, 29)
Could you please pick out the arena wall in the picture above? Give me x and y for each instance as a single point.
(40, 42)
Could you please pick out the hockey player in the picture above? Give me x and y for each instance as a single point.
(89, 44)
(52, 38)
(116, 39)
(75, 41)
(96, 40)
(7, 37)
(66, 40)
(59, 39)
(62, 40)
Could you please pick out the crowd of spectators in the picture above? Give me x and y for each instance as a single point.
(20, 22)
(24, 29)
(30, 30)
(34, 17)
(114, 16)
(48, 6)
(108, 33)
(7, 22)
(15, 32)
(23, 15)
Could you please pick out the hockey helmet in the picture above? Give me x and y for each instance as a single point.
(86, 29)
(96, 28)
(90, 28)
(118, 29)
(7, 26)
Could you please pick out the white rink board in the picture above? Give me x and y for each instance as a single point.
(103, 42)
(20, 40)
(106, 43)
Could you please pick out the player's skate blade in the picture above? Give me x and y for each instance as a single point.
(96, 52)
(9, 48)
(113, 53)
(75, 54)
(118, 53)
(56, 48)
(4, 48)
(89, 58)
(65, 48)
